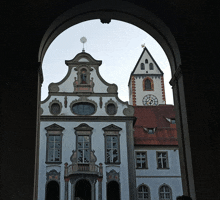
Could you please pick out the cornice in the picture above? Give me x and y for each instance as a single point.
(87, 118)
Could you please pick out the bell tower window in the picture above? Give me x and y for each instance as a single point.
(142, 66)
(147, 85)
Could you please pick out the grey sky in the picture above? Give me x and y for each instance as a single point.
(117, 44)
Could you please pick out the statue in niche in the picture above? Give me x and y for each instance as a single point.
(83, 76)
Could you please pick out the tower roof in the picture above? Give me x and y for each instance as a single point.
(138, 62)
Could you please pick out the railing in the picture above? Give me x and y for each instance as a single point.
(83, 168)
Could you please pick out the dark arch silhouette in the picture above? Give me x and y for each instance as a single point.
(52, 191)
(83, 189)
(113, 191)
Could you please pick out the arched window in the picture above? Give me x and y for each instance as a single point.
(146, 61)
(151, 66)
(142, 66)
(147, 84)
(143, 193)
(165, 193)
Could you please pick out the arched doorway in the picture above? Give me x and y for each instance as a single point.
(113, 191)
(83, 190)
(52, 191)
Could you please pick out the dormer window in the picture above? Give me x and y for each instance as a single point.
(142, 66)
(173, 121)
(150, 131)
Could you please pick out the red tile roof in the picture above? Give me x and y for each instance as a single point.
(155, 117)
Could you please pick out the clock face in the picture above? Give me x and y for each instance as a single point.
(150, 100)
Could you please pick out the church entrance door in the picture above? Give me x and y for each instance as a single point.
(113, 192)
(52, 191)
(83, 190)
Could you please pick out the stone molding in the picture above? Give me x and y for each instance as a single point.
(53, 87)
(53, 175)
(113, 176)
(129, 111)
(133, 91)
(54, 127)
(83, 99)
(163, 89)
(88, 118)
(112, 88)
(55, 101)
(152, 84)
(83, 127)
(111, 102)
(112, 127)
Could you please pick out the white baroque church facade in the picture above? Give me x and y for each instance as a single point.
(93, 146)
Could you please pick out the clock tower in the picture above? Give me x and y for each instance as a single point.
(146, 83)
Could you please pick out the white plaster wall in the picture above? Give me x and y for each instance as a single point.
(155, 183)
(67, 112)
(173, 163)
(154, 177)
(69, 144)
(142, 60)
(140, 93)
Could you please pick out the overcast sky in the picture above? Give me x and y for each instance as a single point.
(117, 44)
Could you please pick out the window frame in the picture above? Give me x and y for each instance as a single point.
(167, 160)
(148, 189)
(165, 185)
(53, 130)
(146, 163)
(142, 66)
(55, 101)
(83, 130)
(112, 130)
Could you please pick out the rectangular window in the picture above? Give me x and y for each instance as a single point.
(54, 148)
(83, 149)
(141, 160)
(112, 154)
(162, 160)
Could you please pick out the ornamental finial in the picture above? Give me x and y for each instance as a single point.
(83, 40)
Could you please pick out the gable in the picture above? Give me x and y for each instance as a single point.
(146, 60)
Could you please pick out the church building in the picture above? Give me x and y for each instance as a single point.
(93, 146)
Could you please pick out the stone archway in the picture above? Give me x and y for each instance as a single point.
(147, 21)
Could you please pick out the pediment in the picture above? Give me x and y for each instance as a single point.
(54, 127)
(112, 127)
(83, 127)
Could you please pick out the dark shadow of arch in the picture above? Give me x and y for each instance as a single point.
(113, 191)
(52, 191)
(83, 189)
